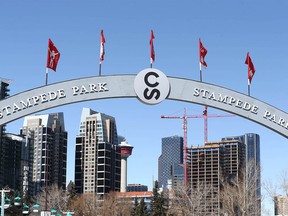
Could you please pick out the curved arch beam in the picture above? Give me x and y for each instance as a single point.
(122, 86)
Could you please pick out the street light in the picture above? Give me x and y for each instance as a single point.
(53, 212)
(17, 201)
(25, 210)
(3, 206)
(6, 203)
(35, 208)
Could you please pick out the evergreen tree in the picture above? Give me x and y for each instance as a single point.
(140, 209)
(71, 191)
(158, 207)
(133, 212)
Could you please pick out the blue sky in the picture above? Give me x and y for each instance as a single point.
(228, 29)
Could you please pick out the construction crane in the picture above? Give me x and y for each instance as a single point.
(205, 116)
(185, 117)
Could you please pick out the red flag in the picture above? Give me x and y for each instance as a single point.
(152, 52)
(102, 50)
(251, 69)
(53, 56)
(202, 53)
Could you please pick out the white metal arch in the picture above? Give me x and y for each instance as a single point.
(122, 86)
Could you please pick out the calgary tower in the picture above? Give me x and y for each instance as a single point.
(126, 151)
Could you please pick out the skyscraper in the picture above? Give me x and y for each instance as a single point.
(50, 149)
(205, 166)
(218, 167)
(4, 92)
(171, 156)
(211, 165)
(10, 165)
(97, 155)
(252, 142)
(4, 146)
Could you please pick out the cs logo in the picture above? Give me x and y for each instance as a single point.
(151, 86)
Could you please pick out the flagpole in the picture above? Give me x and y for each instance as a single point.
(102, 51)
(200, 71)
(152, 53)
(100, 67)
(249, 81)
(248, 74)
(248, 87)
(46, 76)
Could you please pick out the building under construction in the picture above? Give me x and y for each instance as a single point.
(208, 167)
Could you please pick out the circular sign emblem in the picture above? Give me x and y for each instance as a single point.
(151, 86)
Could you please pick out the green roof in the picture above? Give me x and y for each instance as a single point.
(17, 198)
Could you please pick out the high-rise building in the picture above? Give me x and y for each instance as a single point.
(17, 156)
(97, 154)
(50, 149)
(252, 142)
(27, 154)
(177, 176)
(4, 92)
(172, 153)
(234, 160)
(209, 165)
(10, 165)
(281, 205)
(4, 146)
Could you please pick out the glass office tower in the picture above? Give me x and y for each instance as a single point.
(172, 153)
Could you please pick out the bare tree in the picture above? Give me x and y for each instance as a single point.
(198, 201)
(114, 205)
(108, 205)
(241, 196)
(86, 204)
(54, 198)
(276, 189)
(284, 182)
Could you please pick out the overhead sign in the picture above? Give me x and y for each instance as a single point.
(150, 86)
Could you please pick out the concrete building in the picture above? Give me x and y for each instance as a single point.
(49, 149)
(132, 196)
(252, 155)
(15, 152)
(234, 160)
(172, 153)
(281, 205)
(97, 154)
(136, 188)
(10, 149)
(10, 161)
(4, 92)
(209, 165)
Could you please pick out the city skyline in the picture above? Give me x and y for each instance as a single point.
(228, 30)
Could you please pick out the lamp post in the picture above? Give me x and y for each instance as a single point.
(3, 191)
